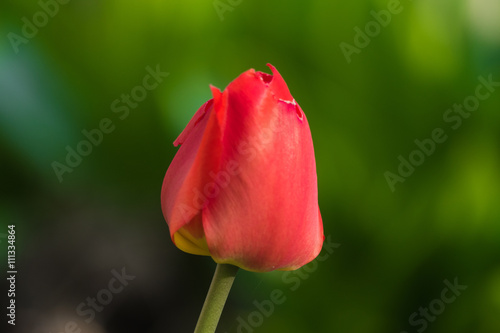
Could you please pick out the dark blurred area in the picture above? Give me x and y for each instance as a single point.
(403, 101)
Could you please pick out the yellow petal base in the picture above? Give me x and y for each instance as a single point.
(190, 244)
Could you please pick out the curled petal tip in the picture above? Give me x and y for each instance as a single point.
(273, 69)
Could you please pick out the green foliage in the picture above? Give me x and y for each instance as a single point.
(397, 245)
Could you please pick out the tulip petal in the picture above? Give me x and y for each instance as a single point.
(182, 212)
(266, 217)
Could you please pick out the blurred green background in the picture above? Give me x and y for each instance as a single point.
(63, 64)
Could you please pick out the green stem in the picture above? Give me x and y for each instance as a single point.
(216, 298)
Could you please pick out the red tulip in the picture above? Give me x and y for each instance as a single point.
(242, 188)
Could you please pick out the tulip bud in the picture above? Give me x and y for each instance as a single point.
(242, 187)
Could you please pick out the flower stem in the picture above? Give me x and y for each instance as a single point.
(216, 298)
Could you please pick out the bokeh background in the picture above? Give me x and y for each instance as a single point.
(394, 248)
